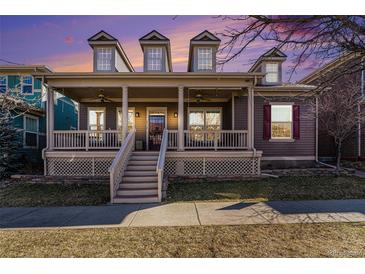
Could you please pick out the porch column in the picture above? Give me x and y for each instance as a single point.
(250, 118)
(50, 117)
(125, 112)
(180, 121)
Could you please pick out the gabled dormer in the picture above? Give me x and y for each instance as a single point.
(156, 52)
(203, 52)
(109, 55)
(270, 63)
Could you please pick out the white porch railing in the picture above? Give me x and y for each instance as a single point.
(161, 163)
(207, 139)
(86, 139)
(120, 163)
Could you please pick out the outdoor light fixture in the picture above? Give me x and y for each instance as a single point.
(137, 114)
(175, 114)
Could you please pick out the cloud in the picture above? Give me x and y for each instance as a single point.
(68, 39)
(69, 62)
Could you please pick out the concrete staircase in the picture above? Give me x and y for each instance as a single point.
(139, 183)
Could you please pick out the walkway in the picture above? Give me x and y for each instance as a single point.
(184, 214)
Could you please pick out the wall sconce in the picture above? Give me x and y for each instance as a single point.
(137, 114)
(175, 114)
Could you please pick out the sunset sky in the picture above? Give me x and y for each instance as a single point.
(61, 41)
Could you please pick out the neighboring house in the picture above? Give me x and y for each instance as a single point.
(354, 146)
(18, 82)
(140, 127)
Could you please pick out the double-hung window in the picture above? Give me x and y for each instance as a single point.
(104, 59)
(27, 84)
(3, 83)
(154, 59)
(272, 73)
(131, 119)
(281, 121)
(204, 120)
(30, 131)
(96, 118)
(205, 58)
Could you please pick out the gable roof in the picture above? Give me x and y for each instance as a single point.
(104, 38)
(273, 54)
(156, 38)
(25, 68)
(314, 75)
(205, 36)
(154, 35)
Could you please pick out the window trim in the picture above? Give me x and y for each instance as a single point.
(22, 85)
(148, 59)
(211, 59)
(121, 110)
(97, 58)
(205, 109)
(25, 130)
(278, 72)
(282, 139)
(88, 116)
(6, 83)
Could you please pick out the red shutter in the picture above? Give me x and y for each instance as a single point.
(296, 122)
(267, 122)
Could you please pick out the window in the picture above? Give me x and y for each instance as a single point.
(272, 73)
(281, 121)
(154, 59)
(96, 118)
(30, 131)
(104, 59)
(205, 58)
(131, 120)
(3, 84)
(27, 84)
(205, 119)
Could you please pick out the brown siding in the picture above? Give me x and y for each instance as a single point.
(240, 112)
(305, 146)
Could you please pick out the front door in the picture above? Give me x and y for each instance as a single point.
(156, 125)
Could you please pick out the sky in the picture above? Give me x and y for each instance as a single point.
(60, 42)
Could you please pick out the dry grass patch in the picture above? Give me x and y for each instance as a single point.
(288, 240)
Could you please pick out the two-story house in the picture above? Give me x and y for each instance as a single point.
(141, 127)
(17, 81)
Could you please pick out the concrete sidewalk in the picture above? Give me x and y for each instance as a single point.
(183, 214)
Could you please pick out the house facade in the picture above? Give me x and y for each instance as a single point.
(141, 127)
(348, 66)
(18, 82)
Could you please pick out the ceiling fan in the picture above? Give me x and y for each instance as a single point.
(102, 98)
(200, 97)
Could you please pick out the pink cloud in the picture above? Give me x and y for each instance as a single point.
(68, 39)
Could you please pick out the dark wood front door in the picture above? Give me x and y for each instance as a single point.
(156, 127)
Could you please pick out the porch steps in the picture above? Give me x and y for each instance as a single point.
(139, 183)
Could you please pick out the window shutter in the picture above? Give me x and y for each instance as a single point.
(267, 122)
(296, 122)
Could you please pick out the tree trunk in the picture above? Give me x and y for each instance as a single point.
(338, 160)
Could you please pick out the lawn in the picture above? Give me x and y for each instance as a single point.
(289, 240)
(29, 195)
(283, 188)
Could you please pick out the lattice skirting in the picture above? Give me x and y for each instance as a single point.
(78, 166)
(209, 166)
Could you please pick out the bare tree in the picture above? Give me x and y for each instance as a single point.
(340, 110)
(321, 37)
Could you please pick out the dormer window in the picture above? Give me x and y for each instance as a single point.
(154, 59)
(272, 72)
(205, 58)
(104, 59)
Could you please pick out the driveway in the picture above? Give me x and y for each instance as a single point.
(183, 214)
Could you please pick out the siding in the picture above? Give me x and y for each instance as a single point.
(305, 146)
(240, 112)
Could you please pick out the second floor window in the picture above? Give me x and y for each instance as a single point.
(104, 59)
(3, 84)
(154, 59)
(205, 59)
(272, 73)
(27, 84)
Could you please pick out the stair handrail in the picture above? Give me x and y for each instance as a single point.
(120, 162)
(161, 163)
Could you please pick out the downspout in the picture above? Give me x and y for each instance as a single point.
(316, 157)
(362, 82)
(252, 116)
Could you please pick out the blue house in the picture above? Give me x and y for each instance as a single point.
(18, 81)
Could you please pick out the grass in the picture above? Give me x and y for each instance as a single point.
(289, 240)
(29, 195)
(284, 188)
